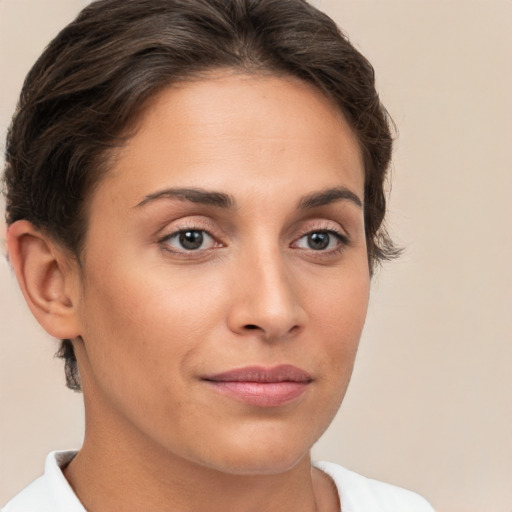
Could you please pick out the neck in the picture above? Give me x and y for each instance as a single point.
(121, 468)
(117, 469)
(109, 479)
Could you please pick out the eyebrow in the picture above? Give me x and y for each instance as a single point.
(194, 195)
(222, 200)
(328, 196)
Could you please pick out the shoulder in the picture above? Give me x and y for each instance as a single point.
(360, 494)
(50, 492)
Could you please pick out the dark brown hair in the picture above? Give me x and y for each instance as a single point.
(92, 81)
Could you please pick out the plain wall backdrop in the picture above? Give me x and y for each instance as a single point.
(430, 404)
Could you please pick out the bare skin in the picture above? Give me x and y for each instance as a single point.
(229, 234)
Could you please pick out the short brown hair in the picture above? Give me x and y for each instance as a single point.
(90, 84)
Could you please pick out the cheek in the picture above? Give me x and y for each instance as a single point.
(337, 318)
(338, 315)
(139, 336)
(130, 315)
(147, 324)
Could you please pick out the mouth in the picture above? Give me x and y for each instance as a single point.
(262, 387)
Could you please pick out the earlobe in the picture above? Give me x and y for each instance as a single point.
(46, 278)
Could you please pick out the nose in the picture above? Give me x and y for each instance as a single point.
(266, 299)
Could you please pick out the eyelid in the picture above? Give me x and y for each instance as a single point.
(176, 234)
(312, 225)
(181, 225)
(344, 240)
(322, 226)
(189, 222)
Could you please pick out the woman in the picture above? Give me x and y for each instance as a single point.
(195, 205)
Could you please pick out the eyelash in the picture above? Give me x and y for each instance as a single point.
(342, 239)
(164, 241)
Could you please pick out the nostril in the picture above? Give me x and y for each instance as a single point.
(251, 326)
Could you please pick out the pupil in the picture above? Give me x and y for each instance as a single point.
(318, 241)
(191, 239)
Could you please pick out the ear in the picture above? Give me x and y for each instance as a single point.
(48, 277)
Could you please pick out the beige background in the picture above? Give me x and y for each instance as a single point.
(430, 404)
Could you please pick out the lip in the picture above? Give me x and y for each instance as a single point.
(260, 386)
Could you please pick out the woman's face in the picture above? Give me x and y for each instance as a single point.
(225, 278)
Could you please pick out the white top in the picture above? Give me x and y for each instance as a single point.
(52, 492)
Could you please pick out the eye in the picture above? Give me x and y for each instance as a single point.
(322, 240)
(190, 240)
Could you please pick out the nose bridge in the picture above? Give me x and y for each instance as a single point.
(266, 298)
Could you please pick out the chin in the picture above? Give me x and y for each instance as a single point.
(262, 464)
(260, 455)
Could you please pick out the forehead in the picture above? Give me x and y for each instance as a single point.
(231, 129)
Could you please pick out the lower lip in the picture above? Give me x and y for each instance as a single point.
(261, 394)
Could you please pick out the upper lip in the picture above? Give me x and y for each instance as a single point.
(281, 373)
